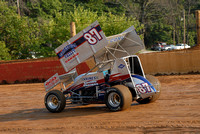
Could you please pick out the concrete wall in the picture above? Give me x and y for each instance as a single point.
(153, 63)
(171, 62)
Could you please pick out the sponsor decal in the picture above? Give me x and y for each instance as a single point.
(66, 50)
(76, 54)
(121, 66)
(90, 83)
(51, 82)
(70, 53)
(102, 93)
(90, 78)
(115, 39)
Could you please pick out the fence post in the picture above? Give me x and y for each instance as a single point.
(198, 26)
(72, 29)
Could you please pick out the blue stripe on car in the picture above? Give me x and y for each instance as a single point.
(145, 80)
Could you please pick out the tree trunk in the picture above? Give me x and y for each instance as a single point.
(18, 9)
(188, 22)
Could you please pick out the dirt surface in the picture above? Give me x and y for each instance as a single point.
(177, 110)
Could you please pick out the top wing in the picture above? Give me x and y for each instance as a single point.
(121, 45)
(82, 46)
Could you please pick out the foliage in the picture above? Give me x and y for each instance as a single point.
(118, 24)
(45, 24)
(4, 54)
(159, 32)
(169, 13)
(108, 21)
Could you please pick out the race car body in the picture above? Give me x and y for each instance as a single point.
(119, 78)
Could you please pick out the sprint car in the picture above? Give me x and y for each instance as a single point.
(116, 80)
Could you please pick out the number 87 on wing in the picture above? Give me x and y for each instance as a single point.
(93, 36)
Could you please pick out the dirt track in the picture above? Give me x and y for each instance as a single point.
(177, 111)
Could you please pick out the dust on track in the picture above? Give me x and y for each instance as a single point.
(22, 110)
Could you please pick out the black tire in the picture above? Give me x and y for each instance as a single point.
(156, 83)
(55, 101)
(118, 98)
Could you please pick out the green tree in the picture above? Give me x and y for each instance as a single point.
(20, 34)
(45, 24)
(159, 33)
(110, 23)
(53, 33)
(4, 52)
(43, 8)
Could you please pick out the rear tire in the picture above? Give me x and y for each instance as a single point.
(156, 84)
(118, 98)
(55, 101)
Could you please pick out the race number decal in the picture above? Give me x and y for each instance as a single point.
(143, 88)
(92, 36)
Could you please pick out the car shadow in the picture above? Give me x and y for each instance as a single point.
(43, 113)
(69, 111)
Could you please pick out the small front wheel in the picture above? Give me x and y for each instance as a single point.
(118, 98)
(55, 101)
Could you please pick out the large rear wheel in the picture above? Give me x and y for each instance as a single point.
(156, 84)
(118, 98)
(55, 101)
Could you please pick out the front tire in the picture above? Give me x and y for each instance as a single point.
(118, 98)
(55, 101)
(156, 84)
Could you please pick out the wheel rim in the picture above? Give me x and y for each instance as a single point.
(52, 101)
(114, 99)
